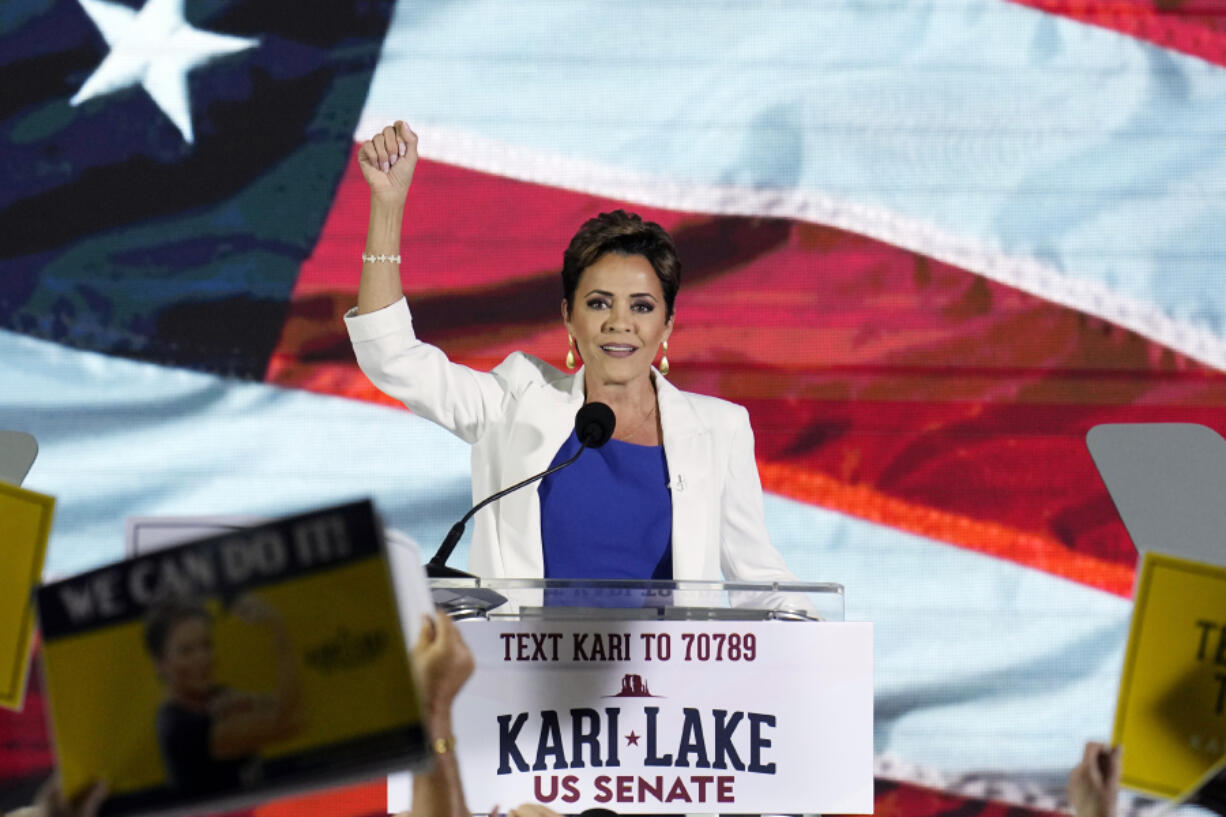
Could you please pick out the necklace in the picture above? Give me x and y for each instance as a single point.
(629, 435)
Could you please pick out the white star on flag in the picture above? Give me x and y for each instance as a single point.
(155, 47)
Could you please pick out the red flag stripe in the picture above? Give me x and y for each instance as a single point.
(1194, 27)
(862, 501)
(881, 383)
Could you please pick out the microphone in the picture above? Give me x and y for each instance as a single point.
(594, 425)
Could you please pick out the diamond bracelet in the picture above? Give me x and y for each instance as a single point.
(371, 258)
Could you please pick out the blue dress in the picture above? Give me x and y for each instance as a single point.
(609, 515)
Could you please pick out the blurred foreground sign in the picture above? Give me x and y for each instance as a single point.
(1171, 715)
(25, 523)
(257, 662)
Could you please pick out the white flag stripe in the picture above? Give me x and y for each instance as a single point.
(1068, 160)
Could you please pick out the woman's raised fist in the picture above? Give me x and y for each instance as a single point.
(387, 161)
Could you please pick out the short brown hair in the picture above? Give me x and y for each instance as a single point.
(164, 616)
(626, 234)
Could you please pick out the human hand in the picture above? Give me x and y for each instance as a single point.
(1094, 785)
(387, 162)
(51, 801)
(443, 661)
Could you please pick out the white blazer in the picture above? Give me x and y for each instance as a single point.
(517, 417)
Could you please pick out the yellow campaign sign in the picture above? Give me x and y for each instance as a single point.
(264, 659)
(25, 524)
(1171, 714)
(353, 677)
(1209, 791)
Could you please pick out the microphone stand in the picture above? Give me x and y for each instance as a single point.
(437, 567)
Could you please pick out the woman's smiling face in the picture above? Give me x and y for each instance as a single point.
(619, 318)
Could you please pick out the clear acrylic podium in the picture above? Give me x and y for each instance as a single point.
(765, 676)
(626, 600)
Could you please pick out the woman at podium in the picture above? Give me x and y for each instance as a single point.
(674, 495)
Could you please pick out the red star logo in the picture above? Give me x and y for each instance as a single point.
(632, 739)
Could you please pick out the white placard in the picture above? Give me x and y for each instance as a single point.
(667, 717)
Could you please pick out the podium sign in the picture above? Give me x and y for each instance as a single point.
(669, 716)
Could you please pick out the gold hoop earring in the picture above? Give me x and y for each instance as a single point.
(664, 360)
(570, 352)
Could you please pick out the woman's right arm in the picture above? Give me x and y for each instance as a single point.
(419, 375)
(387, 161)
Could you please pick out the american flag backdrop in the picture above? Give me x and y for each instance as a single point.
(929, 245)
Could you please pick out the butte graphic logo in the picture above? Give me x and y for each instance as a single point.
(633, 686)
